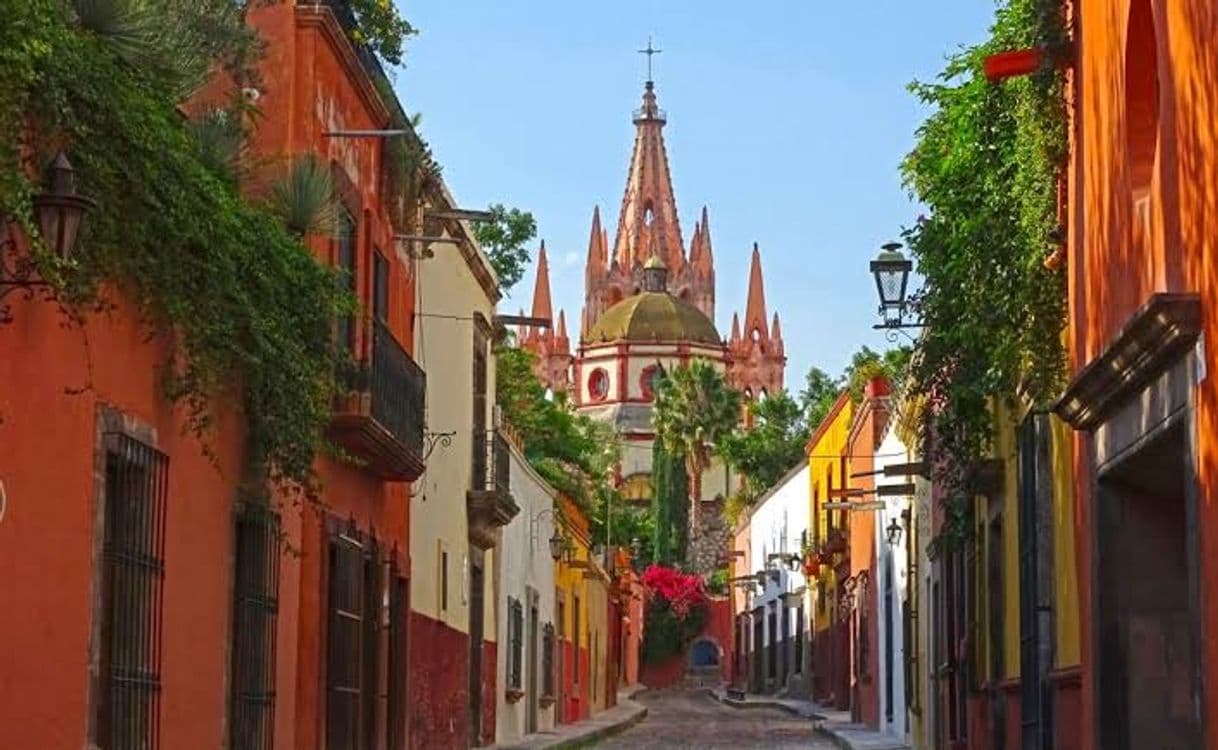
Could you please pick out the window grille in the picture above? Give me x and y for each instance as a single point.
(255, 606)
(515, 642)
(344, 251)
(380, 287)
(396, 711)
(136, 486)
(799, 638)
(575, 639)
(773, 642)
(352, 641)
(547, 659)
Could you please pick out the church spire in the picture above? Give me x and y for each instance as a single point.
(648, 206)
(707, 264)
(596, 247)
(754, 310)
(542, 307)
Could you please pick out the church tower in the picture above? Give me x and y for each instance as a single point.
(757, 357)
(648, 218)
(551, 345)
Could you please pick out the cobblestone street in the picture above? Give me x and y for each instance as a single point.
(692, 719)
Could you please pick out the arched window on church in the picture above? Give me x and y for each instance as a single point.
(756, 334)
(648, 215)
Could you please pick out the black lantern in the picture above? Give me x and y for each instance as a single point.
(61, 211)
(894, 530)
(891, 271)
(557, 545)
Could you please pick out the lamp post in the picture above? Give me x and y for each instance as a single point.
(891, 270)
(894, 530)
(60, 212)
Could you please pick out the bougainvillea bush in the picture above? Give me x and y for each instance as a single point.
(676, 611)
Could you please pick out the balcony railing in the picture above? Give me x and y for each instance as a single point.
(489, 502)
(380, 419)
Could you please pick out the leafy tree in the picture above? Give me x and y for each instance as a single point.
(504, 238)
(381, 28)
(670, 505)
(817, 397)
(694, 411)
(772, 446)
(572, 452)
(867, 364)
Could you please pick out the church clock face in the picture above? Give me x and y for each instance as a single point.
(598, 384)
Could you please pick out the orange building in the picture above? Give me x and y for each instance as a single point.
(870, 419)
(1143, 284)
(157, 608)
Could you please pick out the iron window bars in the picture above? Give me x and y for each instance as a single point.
(547, 659)
(136, 487)
(515, 642)
(352, 640)
(255, 610)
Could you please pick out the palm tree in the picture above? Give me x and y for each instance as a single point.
(694, 410)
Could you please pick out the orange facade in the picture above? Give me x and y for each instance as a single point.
(1143, 283)
(83, 418)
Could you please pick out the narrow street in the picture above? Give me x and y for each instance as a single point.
(692, 719)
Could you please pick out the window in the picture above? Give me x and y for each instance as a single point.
(128, 707)
(515, 611)
(598, 384)
(773, 643)
(575, 637)
(255, 605)
(547, 659)
(352, 641)
(478, 466)
(344, 258)
(380, 287)
(799, 638)
(443, 580)
(593, 656)
(648, 380)
(399, 605)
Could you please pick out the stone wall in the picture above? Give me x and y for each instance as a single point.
(708, 545)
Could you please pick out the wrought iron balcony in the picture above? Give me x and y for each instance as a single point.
(489, 502)
(379, 419)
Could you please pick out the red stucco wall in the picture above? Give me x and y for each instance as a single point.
(1114, 262)
(439, 685)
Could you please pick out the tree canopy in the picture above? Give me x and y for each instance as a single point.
(505, 238)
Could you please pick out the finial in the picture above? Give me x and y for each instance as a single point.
(651, 51)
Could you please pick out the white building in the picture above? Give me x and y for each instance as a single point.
(778, 643)
(526, 608)
(892, 583)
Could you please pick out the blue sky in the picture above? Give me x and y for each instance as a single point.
(788, 119)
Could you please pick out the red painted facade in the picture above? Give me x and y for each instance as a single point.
(66, 388)
(439, 685)
(1143, 99)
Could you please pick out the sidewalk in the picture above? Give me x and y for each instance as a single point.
(836, 725)
(621, 717)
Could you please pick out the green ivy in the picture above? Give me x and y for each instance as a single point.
(986, 164)
(243, 306)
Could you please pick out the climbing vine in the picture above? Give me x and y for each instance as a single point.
(986, 164)
(243, 307)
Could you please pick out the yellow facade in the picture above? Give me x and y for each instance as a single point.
(1006, 500)
(572, 594)
(826, 452)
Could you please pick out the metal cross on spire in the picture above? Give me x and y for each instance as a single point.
(650, 52)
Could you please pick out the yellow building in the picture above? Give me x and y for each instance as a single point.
(1022, 580)
(573, 611)
(827, 460)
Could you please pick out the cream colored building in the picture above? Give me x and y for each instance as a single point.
(464, 495)
(525, 584)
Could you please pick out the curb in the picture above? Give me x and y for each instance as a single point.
(738, 704)
(634, 713)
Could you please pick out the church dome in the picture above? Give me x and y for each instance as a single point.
(654, 316)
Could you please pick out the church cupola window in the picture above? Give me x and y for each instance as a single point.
(655, 275)
(598, 384)
(650, 380)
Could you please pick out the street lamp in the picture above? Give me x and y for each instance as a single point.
(894, 530)
(60, 212)
(556, 545)
(891, 270)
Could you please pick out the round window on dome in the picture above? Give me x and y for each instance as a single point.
(598, 384)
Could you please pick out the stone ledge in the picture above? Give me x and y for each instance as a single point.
(606, 724)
